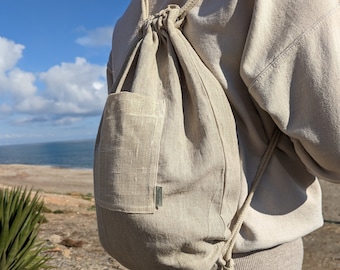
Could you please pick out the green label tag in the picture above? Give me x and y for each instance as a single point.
(159, 197)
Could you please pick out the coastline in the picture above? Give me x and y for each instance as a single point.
(48, 178)
(63, 180)
(63, 190)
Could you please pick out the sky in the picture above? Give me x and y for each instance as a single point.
(53, 57)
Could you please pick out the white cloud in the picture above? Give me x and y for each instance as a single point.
(10, 53)
(14, 136)
(11, 136)
(71, 90)
(74, 88)
(98, 37)
(14, 82)
(67, 120)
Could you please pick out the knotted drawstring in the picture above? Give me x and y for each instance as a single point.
(182, 13)
(156, 20)
(149, 20)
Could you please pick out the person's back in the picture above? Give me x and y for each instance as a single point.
(279, 64)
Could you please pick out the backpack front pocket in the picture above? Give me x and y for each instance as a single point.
(127, 153)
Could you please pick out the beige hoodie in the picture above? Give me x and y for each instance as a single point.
(279, 63)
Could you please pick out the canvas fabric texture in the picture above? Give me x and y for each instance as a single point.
(167, 160)
(278, 63)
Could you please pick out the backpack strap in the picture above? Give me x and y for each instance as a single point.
(228, 248)
(183, 11)
(145, 9)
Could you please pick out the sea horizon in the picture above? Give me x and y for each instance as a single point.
(63, 154)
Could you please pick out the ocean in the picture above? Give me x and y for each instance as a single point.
(68, 154)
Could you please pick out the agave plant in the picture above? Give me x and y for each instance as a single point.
(20, 218)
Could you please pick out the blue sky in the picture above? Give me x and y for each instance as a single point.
(53, 56)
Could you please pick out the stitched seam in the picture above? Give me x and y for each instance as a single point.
(216, 122)
(298, 41)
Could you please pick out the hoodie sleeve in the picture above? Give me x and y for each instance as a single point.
(300, 87)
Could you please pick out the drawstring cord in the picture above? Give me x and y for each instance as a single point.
(145, 9)
(182, 13)
(228, 249)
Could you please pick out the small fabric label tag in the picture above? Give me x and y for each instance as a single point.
(159, 196)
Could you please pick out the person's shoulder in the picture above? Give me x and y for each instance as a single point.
(296, 9)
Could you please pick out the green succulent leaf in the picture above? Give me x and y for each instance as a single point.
(21, 213)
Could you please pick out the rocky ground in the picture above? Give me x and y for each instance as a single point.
(70, 230)
(71, 234)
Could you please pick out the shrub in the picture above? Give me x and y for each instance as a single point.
(20, 219)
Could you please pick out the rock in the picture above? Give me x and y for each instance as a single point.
(68, 242)
(55, 239)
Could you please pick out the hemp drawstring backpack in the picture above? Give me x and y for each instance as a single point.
(167, 166)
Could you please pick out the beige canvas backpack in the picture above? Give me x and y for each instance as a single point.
(167, 166)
